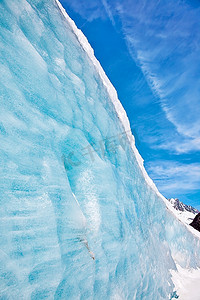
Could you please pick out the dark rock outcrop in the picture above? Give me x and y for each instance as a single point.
(196, 222)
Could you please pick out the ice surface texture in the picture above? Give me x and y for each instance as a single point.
(70, 183)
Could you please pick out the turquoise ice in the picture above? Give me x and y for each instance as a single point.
(78, 219)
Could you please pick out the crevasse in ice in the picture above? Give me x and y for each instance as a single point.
(78, 218)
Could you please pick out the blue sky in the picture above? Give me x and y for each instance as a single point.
(150, 51)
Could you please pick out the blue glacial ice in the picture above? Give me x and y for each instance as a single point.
(79, 217)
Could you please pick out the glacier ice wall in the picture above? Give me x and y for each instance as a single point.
(71, 187)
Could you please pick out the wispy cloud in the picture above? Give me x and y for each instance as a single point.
(88, 10)
(180, 146)
(108, 11)
(163, 39)
(91, 10)
(174, 177)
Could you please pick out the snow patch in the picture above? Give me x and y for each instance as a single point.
(187, 283)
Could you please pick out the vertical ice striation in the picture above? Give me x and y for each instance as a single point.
(72, 187)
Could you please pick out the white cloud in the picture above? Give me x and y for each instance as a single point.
(180, 147)
(91, 10)
(174, 177)
(163, 40)
(88, 10)
(108, 11)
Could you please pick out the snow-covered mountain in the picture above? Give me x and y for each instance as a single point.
(180, 206)
(185, 213)
(79, 216)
